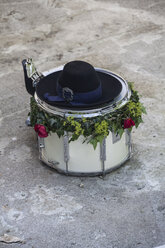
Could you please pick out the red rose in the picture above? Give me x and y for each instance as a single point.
(129, 123)
(41, 130)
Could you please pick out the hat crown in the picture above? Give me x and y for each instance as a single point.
(79, 76)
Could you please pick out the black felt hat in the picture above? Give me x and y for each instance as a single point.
(78, 86)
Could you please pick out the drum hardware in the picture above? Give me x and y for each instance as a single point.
(35, 81)
(126, 98)
(53, 163)
(103, 155)
(28, 122)
(41, 145)
(41, 142)
(115, 137)
(127, 137)
(128, 142)
(32, 72)
(66, 150)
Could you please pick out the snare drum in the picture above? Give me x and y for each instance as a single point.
(77, 158)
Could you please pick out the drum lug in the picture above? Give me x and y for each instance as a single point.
(42, 146)
(41, 143)
(127, 137)
(66, 150)
(115, 137)
(103, 150)
(103, 155)
(128, 142)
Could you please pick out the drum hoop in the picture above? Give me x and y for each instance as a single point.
(117, 103)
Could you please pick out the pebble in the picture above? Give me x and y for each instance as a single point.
(81, 185)
(140, 186)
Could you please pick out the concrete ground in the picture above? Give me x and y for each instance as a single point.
(42, 207)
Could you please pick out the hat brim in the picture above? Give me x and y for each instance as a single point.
(111, 88)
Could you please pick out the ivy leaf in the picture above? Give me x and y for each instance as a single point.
(143, 109)
(94, 143)
(100, 138)
(137, 124)
(74, 137)
(114, 127)
(120, 132)
(60, 132)
(138, 121)
(131, 85)
(52, 121)
(41, 115)
(46, 115)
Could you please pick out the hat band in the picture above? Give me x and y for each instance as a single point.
(66, 94)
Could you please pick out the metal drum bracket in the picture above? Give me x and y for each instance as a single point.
(66, 150)
(115, 137)
(103, 155)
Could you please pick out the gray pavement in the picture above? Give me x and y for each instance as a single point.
(42, 207)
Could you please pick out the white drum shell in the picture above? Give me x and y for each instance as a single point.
(77, 158)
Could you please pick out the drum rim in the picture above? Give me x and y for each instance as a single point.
(117, 103)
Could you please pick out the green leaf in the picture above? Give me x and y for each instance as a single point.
(52, 121)
(100, 138)
(74, 137)
(41, 115)
(143, 109)
(94, 143)
(130, 129)
(120, 132)
(60, 133)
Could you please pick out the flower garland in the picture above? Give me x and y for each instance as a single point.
(93, 129)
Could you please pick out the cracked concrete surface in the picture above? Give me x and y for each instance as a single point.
(42, 207)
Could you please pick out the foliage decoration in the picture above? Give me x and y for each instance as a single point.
(93, 129)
